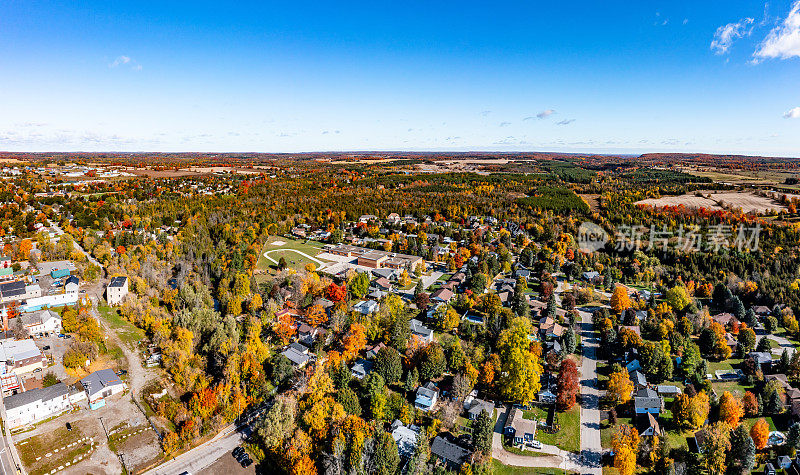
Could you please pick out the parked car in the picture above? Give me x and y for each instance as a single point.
(46, 347)
(121, 372)
(69, 426)
(238, 451)
(536, 444)
(246, 462)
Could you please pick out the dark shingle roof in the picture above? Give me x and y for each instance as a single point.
(449, 451)
(118, 281)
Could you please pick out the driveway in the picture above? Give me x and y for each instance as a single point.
(557, 459)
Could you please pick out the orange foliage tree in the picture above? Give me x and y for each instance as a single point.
(730, 409)
(760, 433)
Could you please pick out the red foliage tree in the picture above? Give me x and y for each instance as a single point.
(567, 384)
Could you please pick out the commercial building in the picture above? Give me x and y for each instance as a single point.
(100, 385)
(36, 405)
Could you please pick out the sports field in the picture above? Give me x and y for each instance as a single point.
(297, 254)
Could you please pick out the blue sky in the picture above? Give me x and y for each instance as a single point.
(608, 77)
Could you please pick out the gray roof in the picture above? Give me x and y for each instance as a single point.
(43, 394)
(761, 357)
(449, 451)
(418, 328)
(295, 356)
(479, 405)
(72, 280)
(647, 398)
(428, 391)
(118, 281)
(99, 380)
(638, 378)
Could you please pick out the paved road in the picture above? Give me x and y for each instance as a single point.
(783, 343)
(206, 454)
(75, 244)
(591, 447)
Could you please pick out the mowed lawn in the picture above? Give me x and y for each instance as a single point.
(279, 246)
(499, 469)
(569, 436)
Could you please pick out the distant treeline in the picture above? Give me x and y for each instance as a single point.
(555, 199)
(653, 175)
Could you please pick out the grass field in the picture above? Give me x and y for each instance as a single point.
(500, 469)
(126, 331)
(290, 249)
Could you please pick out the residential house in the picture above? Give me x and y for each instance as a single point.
(725, 319)
(298, 357)
(763, 359)
(307, 334)
(420, 331)
(405, 437)
(361, 368)
(591, 276)
(450, 454)
(546, 396)
(372, 351)
(18, 291)
(100, 385)
(647, 400)
(475, 406)
(522, 431)
(761, 310)
(36, 405)
(366, 307)
(667, 390)
(426, 397)
(731, 342)
(648, 426)
(71, 284)
(382, 284)
(20, 356)
(638, 379)
(117, 290)
(549, 328)
(443, 295)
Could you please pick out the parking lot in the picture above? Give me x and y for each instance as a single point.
(54, 348)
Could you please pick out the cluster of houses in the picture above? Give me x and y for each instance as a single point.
(53, 286)
(39, 404)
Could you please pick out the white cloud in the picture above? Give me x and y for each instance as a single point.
(727, 34)
(505, 124)
(545, 114)
(783, 41)
(126, 60)
(565, 122)
(792, 113)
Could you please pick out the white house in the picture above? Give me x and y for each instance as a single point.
(100, 385)
(41, 323)
(36, 405)
(366, 307)
(117, 290)
(72, 283)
